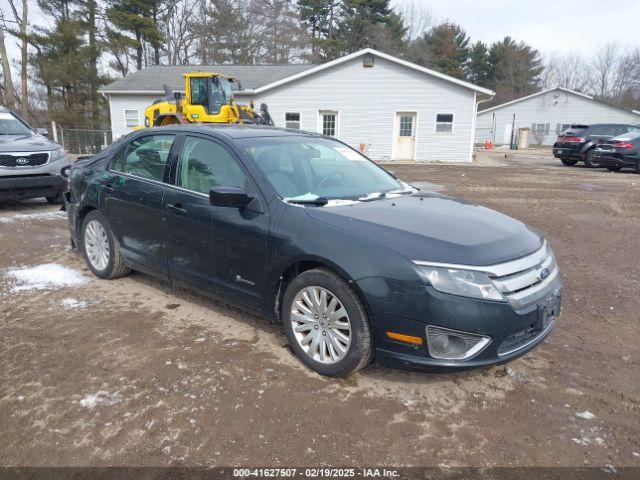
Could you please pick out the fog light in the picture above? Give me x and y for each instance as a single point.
(449, 344)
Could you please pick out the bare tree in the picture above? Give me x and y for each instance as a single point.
(21, 18)
(177, 24)
(9, 93)
(416, 16)
(567, 70)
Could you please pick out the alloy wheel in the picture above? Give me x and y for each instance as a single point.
(321, 325)
(96, 245)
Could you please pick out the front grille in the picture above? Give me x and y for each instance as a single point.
(527, 280)
(23, 159)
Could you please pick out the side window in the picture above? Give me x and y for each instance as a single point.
(145, 157)
(205, 164)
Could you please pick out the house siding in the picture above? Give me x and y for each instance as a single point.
(367, 100)
(555, 108)
(119, 103)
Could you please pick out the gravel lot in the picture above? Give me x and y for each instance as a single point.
(131, 372)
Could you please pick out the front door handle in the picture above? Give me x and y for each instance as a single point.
(176, 208)
(107, 187)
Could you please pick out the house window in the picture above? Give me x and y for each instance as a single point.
(131, 118)
(541, 128)
(406, 125)
(329, 123)
(444, 123)
(292, 120)
(561, 127)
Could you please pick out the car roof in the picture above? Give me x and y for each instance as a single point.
(234, 131)
(613, 125)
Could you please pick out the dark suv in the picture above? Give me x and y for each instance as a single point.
(578, 143)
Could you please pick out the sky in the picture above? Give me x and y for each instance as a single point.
(551, 26)
(548, 25)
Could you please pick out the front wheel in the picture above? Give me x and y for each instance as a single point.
(568, 162)
(614, 168)
(326, 324)
(100, 248)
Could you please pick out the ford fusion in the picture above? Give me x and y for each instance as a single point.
(305, 231)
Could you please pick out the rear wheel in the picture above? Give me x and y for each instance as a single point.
(614, 168)
(589, 161)
(568, 162)
(326, 324)
(100, 248)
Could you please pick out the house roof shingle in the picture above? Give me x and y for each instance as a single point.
(152, 79)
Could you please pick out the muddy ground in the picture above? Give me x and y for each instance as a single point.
(187, 380)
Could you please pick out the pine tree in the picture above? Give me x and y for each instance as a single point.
(514, 69)
(134, 23)
(446, 49)
(478, 64)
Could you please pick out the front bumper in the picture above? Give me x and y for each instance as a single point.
(409, 308)
(30, 186)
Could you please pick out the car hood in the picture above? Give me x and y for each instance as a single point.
(435, 228)
(26, 143)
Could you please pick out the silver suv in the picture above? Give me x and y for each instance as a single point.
(30, 164)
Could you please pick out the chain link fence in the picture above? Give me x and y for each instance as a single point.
(84, 141)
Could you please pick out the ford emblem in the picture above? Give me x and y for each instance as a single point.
(544, 273)
(22, 161)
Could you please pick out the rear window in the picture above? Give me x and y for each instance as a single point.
(573, 132)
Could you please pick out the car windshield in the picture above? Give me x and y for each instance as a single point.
(10, 125)
(318, 170)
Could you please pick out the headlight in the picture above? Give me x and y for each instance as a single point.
(57, 154)
(466, 283)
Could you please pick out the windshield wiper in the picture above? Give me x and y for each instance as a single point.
(320, 201)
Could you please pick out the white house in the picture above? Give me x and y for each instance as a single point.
(390, 108)
(547, 113)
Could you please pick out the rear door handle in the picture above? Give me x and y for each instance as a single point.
(176, 208)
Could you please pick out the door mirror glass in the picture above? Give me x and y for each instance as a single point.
(233, 197)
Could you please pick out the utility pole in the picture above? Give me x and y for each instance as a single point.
(513, 129)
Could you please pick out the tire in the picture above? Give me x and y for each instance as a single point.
(588, 160)
(95, 230)
(568, 162)
(341, 358)
(56, 200)
(614, 168)
(638, 167)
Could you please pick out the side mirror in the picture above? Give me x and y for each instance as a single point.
(233, 197)
(42, 131)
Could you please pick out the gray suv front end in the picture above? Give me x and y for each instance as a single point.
(30, 164)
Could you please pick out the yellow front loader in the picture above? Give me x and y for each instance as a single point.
(208, 98)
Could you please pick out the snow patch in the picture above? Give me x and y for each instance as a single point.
(586, 415)
(26, 217)
(48, 276)
(73, 303)
(101, 398)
